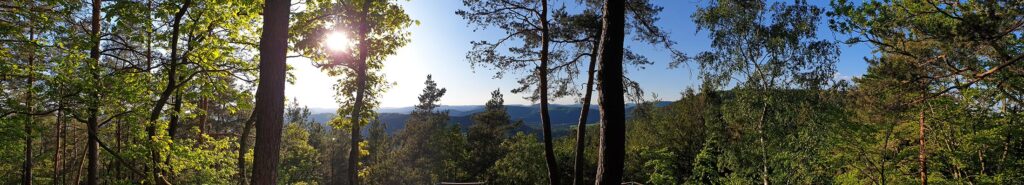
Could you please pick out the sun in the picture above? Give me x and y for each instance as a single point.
(337, 41)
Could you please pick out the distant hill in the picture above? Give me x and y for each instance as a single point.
(562, 116)
(322, 117)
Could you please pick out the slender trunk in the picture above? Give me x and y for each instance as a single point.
(172, 126)
(353, 154)
(92, 178)
(57, 150)
(581, 126)
(612, 149)
(64, 148)
(172, 69)
(243, 146)
(92, 150)
(922, 155)
(118, 133)
(761, 141)
(270, 102)
(885, 151)
(27, 168)
(81, 165)
(549, 152)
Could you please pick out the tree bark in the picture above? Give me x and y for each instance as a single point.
(172, 125)
(243, 145)
(270, 102)
(92, 177)
(172, 69)
(762, 143)
(612, 149)
(581, 126)
(27, 168)
(57, 150)
(353, 154)
(549, 152)
(922, 155)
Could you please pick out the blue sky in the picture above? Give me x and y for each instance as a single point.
(439, 45)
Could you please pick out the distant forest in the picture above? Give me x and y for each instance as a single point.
(192, 92)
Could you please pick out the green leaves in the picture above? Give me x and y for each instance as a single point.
(386, 23)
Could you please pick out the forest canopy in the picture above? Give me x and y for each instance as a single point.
(193, 92)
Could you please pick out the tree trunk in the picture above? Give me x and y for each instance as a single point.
(761, 141)
(92, 146)
(270, 102)
(119, 133)
(549, 152)
(57, 150)
(581, 126)
(172, 68)
(27, 168)
(922, 155)
(92, 124)
(353, 154)
(172, 125)
(243, 145)
(612, 149)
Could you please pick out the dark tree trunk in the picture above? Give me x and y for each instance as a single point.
(27, 168)
(172, 125)
(243, 145)
(270, 102)
(581, 127)
(612, 149)
(92, 150)
(168, 89)
(58, 152)
(92, 124)
(549, 152)
(353, 154)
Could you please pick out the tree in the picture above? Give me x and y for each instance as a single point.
(490, 128)
(528, 21)
(580, 34)
(379, 31)
(612, 148)
(766, 49)
(92, 125)
(299, 159)
(954, 46)
(270, 97)
(28, 27)
(521, 165)
(420, 141)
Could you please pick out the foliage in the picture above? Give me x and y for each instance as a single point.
(768, 109)
(521, 165)
(385, 23)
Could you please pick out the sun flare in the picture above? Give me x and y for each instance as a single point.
(337, 41)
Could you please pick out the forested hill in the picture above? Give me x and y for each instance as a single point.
(562, 116)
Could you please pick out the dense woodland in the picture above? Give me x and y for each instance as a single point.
(192, 92)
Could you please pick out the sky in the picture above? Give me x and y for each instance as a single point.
(439, 44)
